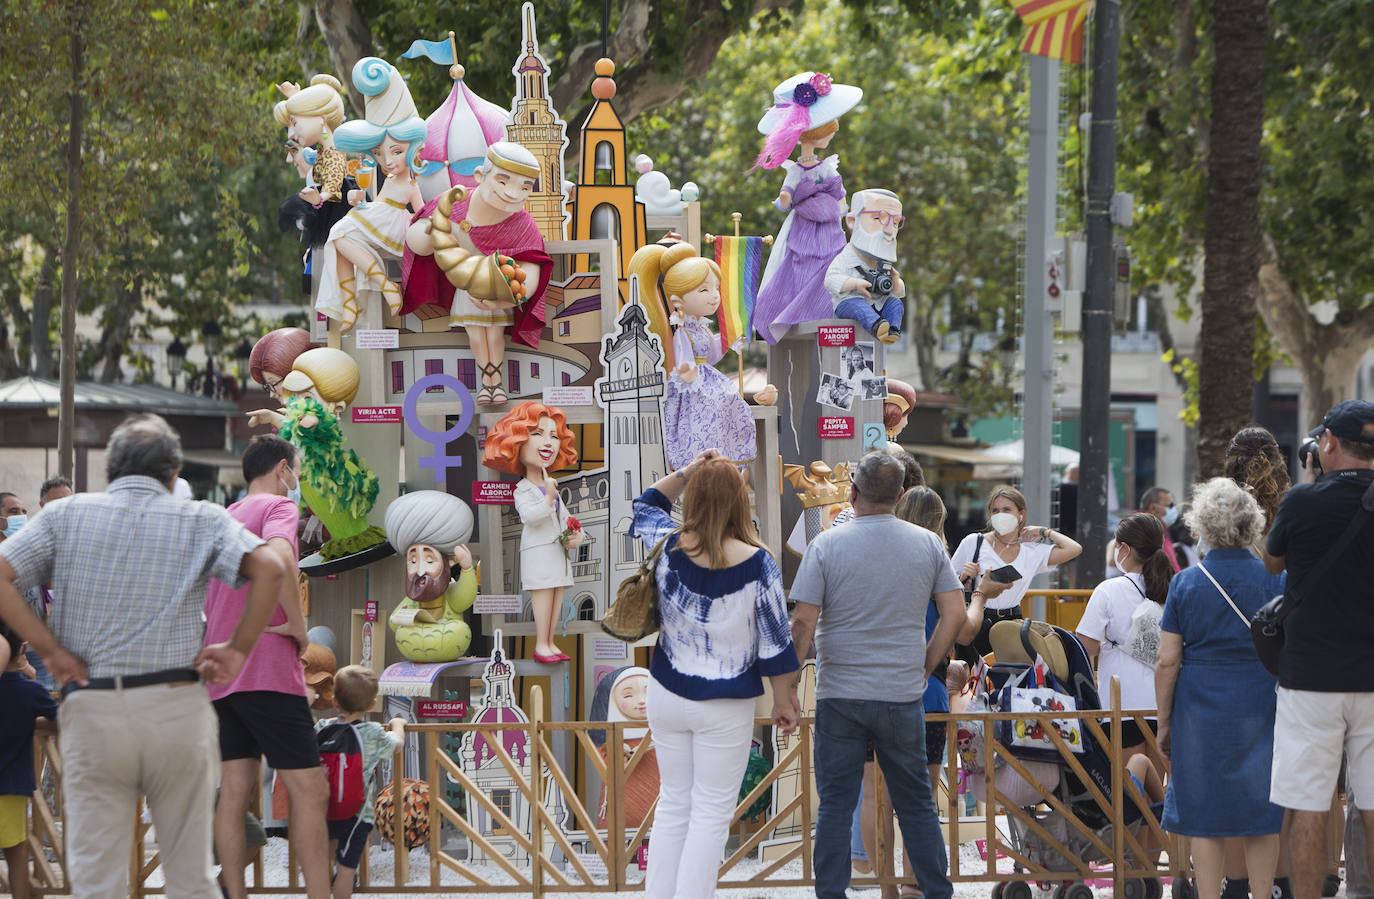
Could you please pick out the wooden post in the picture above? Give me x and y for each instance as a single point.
(536, 764)
(401, 869)
(436, 781)
(1118, 787)
(805, 774)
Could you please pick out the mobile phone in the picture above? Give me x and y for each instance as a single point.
(1005, 575)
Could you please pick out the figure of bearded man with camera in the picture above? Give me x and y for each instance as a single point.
(861, 280)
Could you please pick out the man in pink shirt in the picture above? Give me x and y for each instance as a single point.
(264, 711)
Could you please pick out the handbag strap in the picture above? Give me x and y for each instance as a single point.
(1291, 595)
(1229, 601)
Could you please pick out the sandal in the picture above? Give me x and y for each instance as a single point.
(492, 370)
(349, 304)
(391, 292)
(484, 396)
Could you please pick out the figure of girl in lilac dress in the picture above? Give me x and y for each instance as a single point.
(702, 409)
(806, 111)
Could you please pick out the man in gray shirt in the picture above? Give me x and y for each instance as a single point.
(869, 583)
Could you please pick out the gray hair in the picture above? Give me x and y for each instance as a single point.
(143, 445)
(860, 197)
(1225, 514)
(52, 484)
(878, 477)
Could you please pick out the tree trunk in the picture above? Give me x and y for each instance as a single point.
(40, 325)
(349, 39)
(924, 340)
(1232, 243)
(114, 336)
(71, 246)
(1328, 356)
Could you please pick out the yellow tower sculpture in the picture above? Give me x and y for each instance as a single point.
(604, 204)
(535, 126)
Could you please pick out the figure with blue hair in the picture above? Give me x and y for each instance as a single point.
(373, 233)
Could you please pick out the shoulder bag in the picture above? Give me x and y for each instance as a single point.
(634, 614)
(1266, 628)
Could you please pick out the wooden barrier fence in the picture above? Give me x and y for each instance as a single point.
(596, 858)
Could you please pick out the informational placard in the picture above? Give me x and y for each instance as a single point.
(432, 708)
(835, 335)
(376, 415)
(493, 493)
(609, 648)
(370, 610)
(642, 856)
(498, 604)
(380, 339)
(835, 427)
(594, 863)
(875, 435)
(568, 396)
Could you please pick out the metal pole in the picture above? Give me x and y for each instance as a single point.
(66, 417)
(1097, 300)
(1042, 171)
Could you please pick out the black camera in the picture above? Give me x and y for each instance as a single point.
(879, 279)
(1308, 456)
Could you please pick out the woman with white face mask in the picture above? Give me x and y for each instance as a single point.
(1009, 541)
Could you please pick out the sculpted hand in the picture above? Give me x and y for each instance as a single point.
(462, 557)
(550, 488)
(65, 667)
(311, 195)
(576, 539)
(265, 417)
(220, 663)
(859, 286)
(687, 372)
(356, 196)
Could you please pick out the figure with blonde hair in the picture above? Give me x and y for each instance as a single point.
(806, 111)
(532, 440)
(372, 234)
(309, 115)
(701, 407)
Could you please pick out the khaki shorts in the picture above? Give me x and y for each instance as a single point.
(1311, 730)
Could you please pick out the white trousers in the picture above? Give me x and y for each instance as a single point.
(703, 749)
(158, 741)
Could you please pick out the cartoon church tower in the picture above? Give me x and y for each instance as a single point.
(632, 395)
(536, 127)
(605, 204)
(481, 763)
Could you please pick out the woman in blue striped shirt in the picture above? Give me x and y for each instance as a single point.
(724, 627)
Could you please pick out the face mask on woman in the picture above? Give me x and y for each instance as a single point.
(1004, 523)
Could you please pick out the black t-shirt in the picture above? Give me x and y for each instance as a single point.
(1329, 636)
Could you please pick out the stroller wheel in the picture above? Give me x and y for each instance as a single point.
(1136, 888)
(1154, 888)
(1183, 888)
(998, 889)
(1078, 891)
(1017, 889)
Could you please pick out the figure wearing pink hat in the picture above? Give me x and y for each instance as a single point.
(806, 111)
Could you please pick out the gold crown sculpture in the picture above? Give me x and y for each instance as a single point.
(826, 488)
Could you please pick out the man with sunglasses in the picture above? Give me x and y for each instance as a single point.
(861, 280)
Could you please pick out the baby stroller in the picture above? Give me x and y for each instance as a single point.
(1016, 645)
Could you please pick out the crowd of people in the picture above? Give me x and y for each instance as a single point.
(188, 592)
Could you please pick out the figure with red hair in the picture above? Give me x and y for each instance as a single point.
(531, 441)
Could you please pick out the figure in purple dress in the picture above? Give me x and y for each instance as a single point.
(701, 407)
(806, 111)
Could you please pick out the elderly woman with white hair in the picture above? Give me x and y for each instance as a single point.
(1216, 701)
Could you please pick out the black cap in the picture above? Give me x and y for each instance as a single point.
(1350, 420)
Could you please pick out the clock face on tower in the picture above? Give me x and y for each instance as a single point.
(627, 368)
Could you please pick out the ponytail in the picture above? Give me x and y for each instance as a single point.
(1144, 535)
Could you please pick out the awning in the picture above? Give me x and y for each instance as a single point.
(962, 455)
(212, 458)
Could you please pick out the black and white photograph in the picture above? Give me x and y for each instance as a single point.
(836, 391)
(858, 361)
(873, 388)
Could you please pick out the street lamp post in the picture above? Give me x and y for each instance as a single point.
(210, 334)
(242, 353)
(176, 358)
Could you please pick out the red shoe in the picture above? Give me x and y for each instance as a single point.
(550, 660)
(564, 657)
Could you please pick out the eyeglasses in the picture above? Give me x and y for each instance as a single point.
(884, 218)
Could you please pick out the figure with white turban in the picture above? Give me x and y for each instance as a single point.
(429, 529)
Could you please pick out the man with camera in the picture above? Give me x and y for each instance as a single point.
(861, 279)
(1326, 684)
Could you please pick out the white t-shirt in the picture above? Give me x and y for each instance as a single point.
(1107, 619)
(1032, 559)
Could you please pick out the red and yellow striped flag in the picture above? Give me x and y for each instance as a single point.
(739, 259)
(1054, 28)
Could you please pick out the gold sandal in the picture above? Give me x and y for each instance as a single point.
(391, 292)
(349, 304)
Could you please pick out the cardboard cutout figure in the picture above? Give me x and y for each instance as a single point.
(620, 696)
(701, 407)
(428, 528)
(481, 294)
(861, 280)
(806, 109)
(373, 233)
(532, 440)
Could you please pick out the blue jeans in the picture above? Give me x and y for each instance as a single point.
(897, 729)
(862, 311)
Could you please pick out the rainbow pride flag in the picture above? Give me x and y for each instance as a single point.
(740, 260)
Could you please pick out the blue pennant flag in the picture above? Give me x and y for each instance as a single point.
(440, 52)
